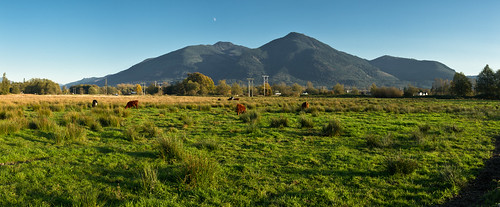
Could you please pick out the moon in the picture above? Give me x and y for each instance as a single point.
(215, 19)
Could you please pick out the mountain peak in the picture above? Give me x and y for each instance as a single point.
(223, 45)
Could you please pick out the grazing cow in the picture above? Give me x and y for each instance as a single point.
(230, 98)
(240, 108)
(94, 103)
(236, 99)
(305, 105)
(132, 104)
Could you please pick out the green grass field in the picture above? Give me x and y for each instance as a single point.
(338, 152)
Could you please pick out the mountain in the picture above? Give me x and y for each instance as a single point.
(420, 73)
(294, 58)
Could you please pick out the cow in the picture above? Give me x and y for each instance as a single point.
(240, 108)
(236, 99)
(132, 104)
(305, 105)
(230, 98)
(94, 103)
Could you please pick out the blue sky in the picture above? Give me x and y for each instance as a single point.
(67, 40)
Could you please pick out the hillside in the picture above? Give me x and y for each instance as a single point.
(419, 73)
(294, 58)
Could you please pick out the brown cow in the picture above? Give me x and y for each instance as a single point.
(132, 104)
(236, 99)
(305, 105)
(240, 108)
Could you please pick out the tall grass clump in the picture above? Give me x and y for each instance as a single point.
(70, 117)
(373, 141)
(401, 165)
(200, 171)
(279, 122)
(149, 129)
(44, 112)
(205, 108)
(250, 117)
(12, 125)
(171, 148)
(453, 175)
(75, 132)
(305, 122)
(43, 124)
(149, 178)
(109, 120)
(209, 144)
(186, 120)
(333, 128)
(132, 134)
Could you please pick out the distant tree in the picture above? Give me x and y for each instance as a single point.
(338, 89)
(112, 90)
(324, 90)
(138, 89)
(373, 88)
(497, 78)
(269, 90)
(41, 86)
(486, 82)
(461, 85)
(386, 92)
(206, 84)
(15, 88)
(310, 88)
(354, 91)
(192, 88)
(441, 87)
(410, 91)
(5, 87)
(297, 89)
(282, 88)
(236, 89)
(125, 88)
(222, 88)
(152, 89)
(94, 89)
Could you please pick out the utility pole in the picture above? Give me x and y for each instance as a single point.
(250, 86)
(106, 85)
(266, 78)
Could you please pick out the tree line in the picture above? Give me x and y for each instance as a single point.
(486, 85)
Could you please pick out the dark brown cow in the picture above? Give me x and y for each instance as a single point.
(305, 105)
(94, 103)
(132, 104)
(240, 108)
(236, 99)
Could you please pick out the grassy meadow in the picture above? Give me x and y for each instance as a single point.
(195, 151)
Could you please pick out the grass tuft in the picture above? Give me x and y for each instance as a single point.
(199, 171)
(279, 122)
(171, 148)
(333, 128)
(401, 165)
(305, 122)
(250, 117)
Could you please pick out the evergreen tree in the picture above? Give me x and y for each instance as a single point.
(486, 83)
(5, 87)
(461, 85)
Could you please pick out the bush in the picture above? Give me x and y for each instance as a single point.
(333, 128)
(305, 122)
(385, 92)
(171, 148)
(400, 165)
(250, 117)
(199, 171)
(279, 122)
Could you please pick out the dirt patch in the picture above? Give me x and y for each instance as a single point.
(485, 181)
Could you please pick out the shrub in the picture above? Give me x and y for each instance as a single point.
(385, 92)
(305, 122)
(401, 165)
(199, 171)
(171, 148)
(333, 128)
(250, 117)
(279, 122)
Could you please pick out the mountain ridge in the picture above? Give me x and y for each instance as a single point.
(294, 58)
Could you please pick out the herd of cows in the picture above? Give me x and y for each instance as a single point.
(240, 108)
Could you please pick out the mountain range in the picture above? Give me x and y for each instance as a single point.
(294, 58)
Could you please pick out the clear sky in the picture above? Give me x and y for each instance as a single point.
(67, 40)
